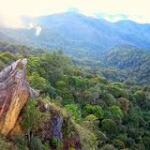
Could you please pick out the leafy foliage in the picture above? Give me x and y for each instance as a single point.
(104, 114)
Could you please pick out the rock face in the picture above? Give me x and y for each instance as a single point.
(14, 93)
(59, 128)
(53, 126)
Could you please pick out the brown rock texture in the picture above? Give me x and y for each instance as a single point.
(14, 93)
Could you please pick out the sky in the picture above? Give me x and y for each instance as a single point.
(12, 10)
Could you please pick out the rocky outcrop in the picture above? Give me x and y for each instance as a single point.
(14, 93)
(59, 130)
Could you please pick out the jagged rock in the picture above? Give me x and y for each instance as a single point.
(53, 126)
(17, 130)
(14, 93)
(56, 125)
(59, 127)
(34, 93)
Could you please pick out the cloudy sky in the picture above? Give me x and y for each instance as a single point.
(138, 10)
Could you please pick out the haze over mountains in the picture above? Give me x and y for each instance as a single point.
(77, 34)
(120, 51)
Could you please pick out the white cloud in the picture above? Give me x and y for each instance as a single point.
(37, 28)
(11, 10)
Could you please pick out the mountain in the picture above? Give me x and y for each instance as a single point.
(119, 51)
(79, 35)
(49, 101)
(134, 63)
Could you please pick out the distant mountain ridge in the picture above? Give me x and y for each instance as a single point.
(133, 63)
(124, 63)
(80, 35)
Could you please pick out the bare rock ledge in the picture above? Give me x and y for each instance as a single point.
(14, 94)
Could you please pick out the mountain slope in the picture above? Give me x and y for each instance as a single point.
(133, 61)
(80, 35)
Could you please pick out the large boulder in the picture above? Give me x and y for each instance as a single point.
(14, 94)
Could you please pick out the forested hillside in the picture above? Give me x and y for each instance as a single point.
(108, 115)
(133, 61)
(122, 63)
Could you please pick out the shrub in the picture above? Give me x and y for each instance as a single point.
(140, 98)
(146, 141)
(119, 144)
(21, 142)
(139, 95)
(33, 118)
(122, 137)
(55, 143)
(124, 104)
(116, 112)
(6, 145)
(108, 147)
(39, 82)
(60, 84)
(117, 92)
(109, 99)
(87, 138)
(91, 118)
(36, 144)
(74, 110)
(95, 110)
(109, 126)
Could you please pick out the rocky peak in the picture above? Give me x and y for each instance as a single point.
(14, 93)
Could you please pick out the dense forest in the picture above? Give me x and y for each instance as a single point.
(123, 63)
(106, 114)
